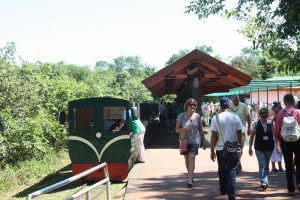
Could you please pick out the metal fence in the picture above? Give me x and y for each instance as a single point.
(85, 190)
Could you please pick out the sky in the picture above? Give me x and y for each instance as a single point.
(86, 31)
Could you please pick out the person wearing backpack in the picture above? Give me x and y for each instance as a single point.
(287, 136)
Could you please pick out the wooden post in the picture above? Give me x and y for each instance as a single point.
(196, 93)
(194, 75)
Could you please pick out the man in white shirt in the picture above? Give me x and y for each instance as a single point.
(228, 127)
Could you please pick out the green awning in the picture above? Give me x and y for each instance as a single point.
(221, 94)
(263, 85)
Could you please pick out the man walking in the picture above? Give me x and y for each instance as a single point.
(242, 111)
(225, 127)
(290, 147)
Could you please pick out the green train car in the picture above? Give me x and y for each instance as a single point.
(92, 141)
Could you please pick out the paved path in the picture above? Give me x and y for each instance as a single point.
(164, 176)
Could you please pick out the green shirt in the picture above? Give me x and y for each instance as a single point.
(136, 126)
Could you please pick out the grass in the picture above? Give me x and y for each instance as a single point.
(16, 182)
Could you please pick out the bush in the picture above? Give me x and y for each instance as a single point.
(26, 138)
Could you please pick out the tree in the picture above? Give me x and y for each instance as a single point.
(102, 65)
(271, 25)
(247, 62)
(177, 56)
(7, 53)
(181, 53)
(283, 14)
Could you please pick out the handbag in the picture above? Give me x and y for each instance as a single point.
(231, 150)
(183, 142)
(183, 145)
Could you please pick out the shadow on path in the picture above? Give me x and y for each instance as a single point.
(50, 179)
(206, 186)
(164, 176)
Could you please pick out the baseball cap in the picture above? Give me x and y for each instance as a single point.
(263, 112)
(224, 101)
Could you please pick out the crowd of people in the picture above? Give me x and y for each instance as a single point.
(274, 133)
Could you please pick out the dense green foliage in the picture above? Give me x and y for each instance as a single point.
(249, 62)
(273, 26)
(32, 96)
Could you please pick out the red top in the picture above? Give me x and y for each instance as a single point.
(279, 120)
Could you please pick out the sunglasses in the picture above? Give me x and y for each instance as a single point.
(263, 116)
(192, 105)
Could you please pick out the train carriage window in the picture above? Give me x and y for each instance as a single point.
(112, 117)
(83, 119)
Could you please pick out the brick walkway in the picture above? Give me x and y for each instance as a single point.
(164, 176)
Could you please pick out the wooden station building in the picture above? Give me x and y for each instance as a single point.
(194, 75)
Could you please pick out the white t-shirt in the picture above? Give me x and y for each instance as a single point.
(230, 124)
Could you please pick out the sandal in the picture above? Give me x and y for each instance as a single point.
(189, 184)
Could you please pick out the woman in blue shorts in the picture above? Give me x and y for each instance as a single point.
(189, 125)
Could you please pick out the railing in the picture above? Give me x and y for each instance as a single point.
(85, 190)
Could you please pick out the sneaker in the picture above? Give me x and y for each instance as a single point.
(231, 196)
(290, 193)
(263, 187)
(223, 193)
(139, 161)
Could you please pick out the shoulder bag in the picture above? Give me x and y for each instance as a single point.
(231, 150)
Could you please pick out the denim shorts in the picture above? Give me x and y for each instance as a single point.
(192, 149)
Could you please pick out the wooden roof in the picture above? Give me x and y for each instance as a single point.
(214, 75)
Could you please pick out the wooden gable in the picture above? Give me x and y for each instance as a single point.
(214, 75)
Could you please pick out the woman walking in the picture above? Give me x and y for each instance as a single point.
(263, 132)
(189, 125)
(138, 129)
(277, 154)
